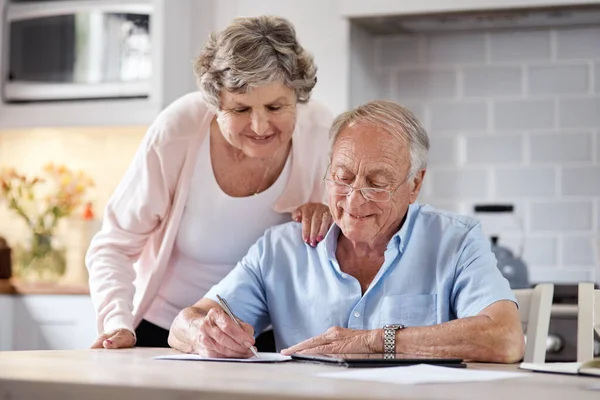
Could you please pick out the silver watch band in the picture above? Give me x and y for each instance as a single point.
(389, 338)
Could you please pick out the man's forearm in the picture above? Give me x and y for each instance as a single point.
(183, 332)
(476, 338)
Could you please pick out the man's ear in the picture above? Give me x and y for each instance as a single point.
(415, 185)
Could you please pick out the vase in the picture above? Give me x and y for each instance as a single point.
(40, 259)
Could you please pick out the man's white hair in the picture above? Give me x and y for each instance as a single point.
(394, 119)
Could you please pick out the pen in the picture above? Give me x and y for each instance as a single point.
(225, 307)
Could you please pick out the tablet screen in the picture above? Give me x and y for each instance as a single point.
(375, 359)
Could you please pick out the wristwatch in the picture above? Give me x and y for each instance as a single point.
(389, 338)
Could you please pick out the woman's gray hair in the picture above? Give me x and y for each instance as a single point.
(394, 119)
(253, 52)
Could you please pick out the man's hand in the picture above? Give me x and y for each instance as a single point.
(341, 340)
(119, 339)
(214, 335)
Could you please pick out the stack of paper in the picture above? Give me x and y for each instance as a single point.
(262, 358)
(421, 373)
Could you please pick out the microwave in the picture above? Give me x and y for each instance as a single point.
(76, 50)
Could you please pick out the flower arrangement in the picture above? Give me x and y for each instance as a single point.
(41, 202)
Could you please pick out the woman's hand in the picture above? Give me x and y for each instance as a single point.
(316, 220)
(119, 339)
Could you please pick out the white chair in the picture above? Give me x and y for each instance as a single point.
(588, 320)
(535, 306)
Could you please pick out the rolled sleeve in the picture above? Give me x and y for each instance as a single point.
(244, 288)
(478, 282)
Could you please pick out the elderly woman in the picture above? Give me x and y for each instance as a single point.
(391, 276)
(215, 170)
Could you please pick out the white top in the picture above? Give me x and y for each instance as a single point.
(211, 239)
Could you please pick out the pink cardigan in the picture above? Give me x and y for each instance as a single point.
(128, 258)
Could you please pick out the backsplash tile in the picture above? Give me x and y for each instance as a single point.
(523, 129)
(558, 79)
(418, 84)
(525, 45)
(456, 48)
(560, 147)
(580, 113)
(562, 216)
(578, 43)
(492, 81)
(464, 183)
(495, 149)
(458, 116)
(580, 181)
(577, 250)
(523, 114)
(444, 150)
(525, 182)
(399, 50)
(597, 77)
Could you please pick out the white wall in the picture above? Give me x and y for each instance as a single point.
(513, 116)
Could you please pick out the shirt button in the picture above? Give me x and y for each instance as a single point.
(356, 314)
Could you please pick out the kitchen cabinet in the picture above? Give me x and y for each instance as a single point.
(6, 321)
(360, 8)
(46, 322)
(179, 30)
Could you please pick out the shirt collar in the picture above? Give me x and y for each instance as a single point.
(399, 239)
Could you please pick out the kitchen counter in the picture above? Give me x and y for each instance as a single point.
(14, 286)
(131, 374)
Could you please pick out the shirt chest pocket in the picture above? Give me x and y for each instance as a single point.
(409, 310)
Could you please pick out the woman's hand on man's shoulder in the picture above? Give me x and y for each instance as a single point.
(316, 220)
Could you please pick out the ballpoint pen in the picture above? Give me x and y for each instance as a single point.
(227, 309)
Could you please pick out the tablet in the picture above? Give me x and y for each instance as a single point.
(376, 360)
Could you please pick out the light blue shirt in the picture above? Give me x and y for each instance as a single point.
(438, 267)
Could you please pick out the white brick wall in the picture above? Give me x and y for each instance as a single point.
(494, 149)
(580, 112)
(560, 148)
(492, 81)
(558, 79)
(417, 84)
(513, 116)
(519, 46)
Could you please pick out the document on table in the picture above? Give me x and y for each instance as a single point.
(262, 358)
(421, 373)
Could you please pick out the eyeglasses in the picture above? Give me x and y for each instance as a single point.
(372, 194)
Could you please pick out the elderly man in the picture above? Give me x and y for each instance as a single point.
(390, 276)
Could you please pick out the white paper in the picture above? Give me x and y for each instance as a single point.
(421, 373)
(571, 368)
(262, 358)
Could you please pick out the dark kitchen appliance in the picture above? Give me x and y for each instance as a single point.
(512, 266)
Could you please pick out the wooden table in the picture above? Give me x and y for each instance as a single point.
(132, 374)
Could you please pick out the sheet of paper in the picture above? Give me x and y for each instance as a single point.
(262, 358)
(421, 373)
(557, 368)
